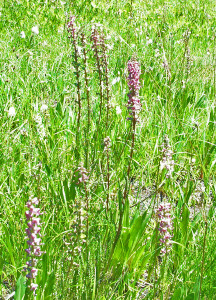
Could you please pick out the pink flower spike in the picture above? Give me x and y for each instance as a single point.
(165, 226)
(34, 242)
(134, 105)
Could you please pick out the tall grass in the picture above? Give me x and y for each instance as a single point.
(101, 179)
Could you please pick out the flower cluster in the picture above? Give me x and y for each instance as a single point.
(95, 36)
(107, 143)
(96, 39)
(134, 87)
(22, 34)
(83, 174)
(35, 29)
(40, 127)
(73, 36)
(72, 28)
(77, 236)
(34, 240)
(12, 112)
(165, 225)
(167, 161)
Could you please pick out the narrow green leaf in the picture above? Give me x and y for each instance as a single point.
(20, 288)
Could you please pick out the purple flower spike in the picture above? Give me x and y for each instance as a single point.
(71, 27)
(165, 226)
(34, 241)
(134, 105)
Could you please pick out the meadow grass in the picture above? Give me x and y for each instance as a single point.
(66, 139)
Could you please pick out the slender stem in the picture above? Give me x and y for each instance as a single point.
(96, 53)
(118, 233)
(108, 180)
(87, 235)
(78, 82)
(106, 74)
(156, 258)
(87, 96)
(214, 66)
(131, 156)
(87, 211)
(203, 258)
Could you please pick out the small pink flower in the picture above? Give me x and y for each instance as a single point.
(28, 251)
(33, 287)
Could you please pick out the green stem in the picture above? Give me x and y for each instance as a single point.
(203, 258)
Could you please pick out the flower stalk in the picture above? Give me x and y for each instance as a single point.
(107, 145)
(96, 39)
(87, 88)
(134, 106)
(73, 37)
(106, 75)
(165, 226)
(34, 241)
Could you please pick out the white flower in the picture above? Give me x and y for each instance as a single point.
(38, 119)
(30, 53)
(149, 41)
(43, 108)
(35, 29)
(61, 29)
(22, 34)
(79, 50)
(109, 47)
(201, 187)
(117, 79)
(118, 110)
(40, 127)
(11, 112)
(157, 52)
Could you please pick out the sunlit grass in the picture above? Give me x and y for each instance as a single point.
(42, 149)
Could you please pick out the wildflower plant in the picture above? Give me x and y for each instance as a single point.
(165, 226)
(73, 36)
(96, 41)
(12, 112)
(134, 105)
(167, 162)
(34, 242)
